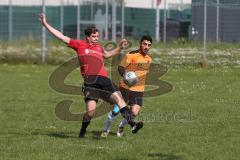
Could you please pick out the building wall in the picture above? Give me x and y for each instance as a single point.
(228, 23)
(128, 3)
(138, 21)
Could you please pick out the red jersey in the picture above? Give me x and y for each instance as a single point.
(90, 57)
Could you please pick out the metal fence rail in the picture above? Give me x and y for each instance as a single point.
(165, 20)
(19, 17)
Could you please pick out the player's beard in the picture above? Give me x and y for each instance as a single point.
(144, 51)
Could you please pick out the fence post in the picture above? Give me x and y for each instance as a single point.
(205, 25)
(91, 4)
(10, 21)
(113, 20)
(165, 22)
(217, 22)
(123, 19)
(157, 22)
(78, 19)
(204, 62)
(62, 16)
(181, 5)
(43, 49)
(106, 19)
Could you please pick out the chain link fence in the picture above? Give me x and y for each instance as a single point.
(123, 18)
(203, 21)
(216, 19)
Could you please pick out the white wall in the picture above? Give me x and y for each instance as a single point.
(129, 3)
(152, 3)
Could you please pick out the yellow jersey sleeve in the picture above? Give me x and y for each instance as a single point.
(126, 60)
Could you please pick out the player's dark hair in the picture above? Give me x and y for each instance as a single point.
(90, 30)
(146, 37)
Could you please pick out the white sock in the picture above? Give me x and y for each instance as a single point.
(109, 121)
(124, 122)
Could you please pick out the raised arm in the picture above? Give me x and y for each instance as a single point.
(53, 31)
(121, 70)
(109, 54)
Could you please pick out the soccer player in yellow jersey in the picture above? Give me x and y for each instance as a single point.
(139, 62)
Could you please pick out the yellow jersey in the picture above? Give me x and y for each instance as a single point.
(135, 61)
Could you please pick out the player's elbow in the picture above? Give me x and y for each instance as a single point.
(106, 55)
(121, 70)
(65, 39)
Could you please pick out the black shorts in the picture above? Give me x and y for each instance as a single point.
(96, 87)
(132, 97)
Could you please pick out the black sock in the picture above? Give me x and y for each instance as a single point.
(127, 115)
(134, 118)
(86, 121)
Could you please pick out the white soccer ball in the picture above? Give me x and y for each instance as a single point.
(130, 78)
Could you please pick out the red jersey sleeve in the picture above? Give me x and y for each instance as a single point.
(75, 44)
(102, 50)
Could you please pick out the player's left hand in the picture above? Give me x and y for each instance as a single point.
(123, 43)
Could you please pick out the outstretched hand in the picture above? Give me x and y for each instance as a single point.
(42, 18)
(123, 43)
(53, 31)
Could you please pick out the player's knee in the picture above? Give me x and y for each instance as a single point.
(118, 99)
(91, 106)
(121, 103)
(135, 110)
(91, 113)
(87, 117)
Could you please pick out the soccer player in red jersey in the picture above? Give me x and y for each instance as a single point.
(96, 83)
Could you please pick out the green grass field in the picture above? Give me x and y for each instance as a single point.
(198, 120)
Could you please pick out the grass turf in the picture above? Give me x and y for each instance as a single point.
(199, 119)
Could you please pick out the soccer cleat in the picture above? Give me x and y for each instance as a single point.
(137, 127)
(82, 133)
(120, 132)
(104, 134)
